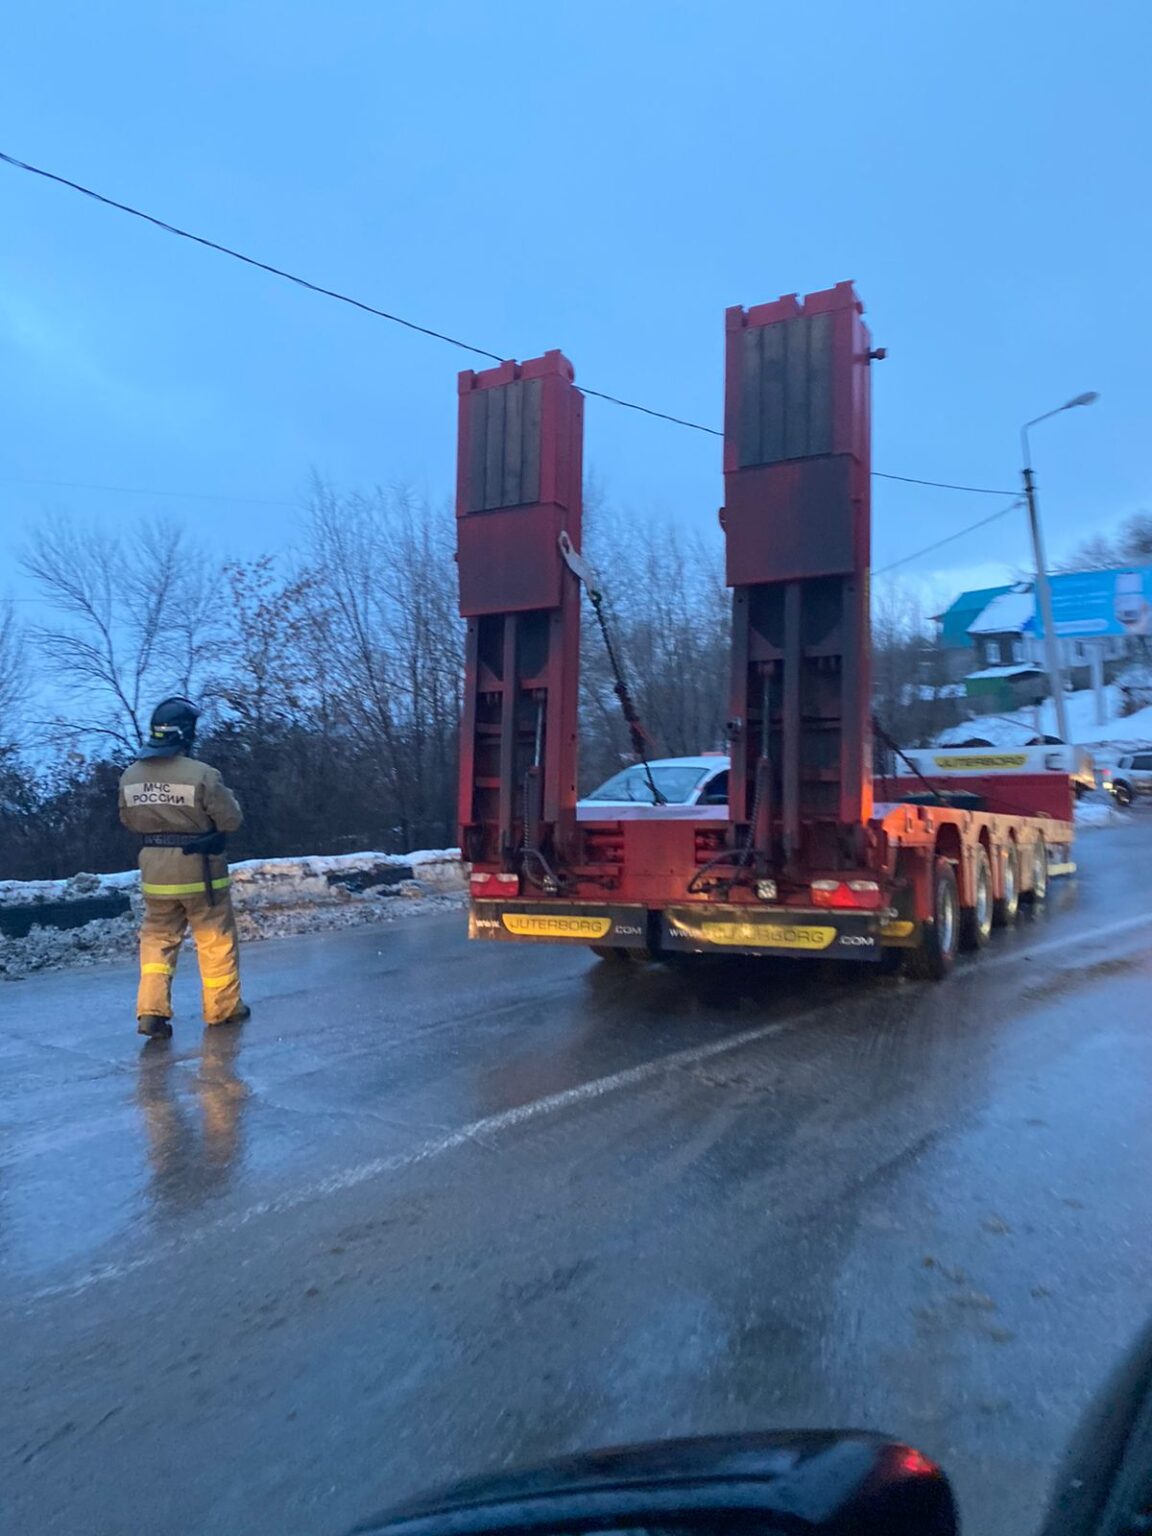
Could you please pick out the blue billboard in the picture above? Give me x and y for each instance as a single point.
(1100, 603)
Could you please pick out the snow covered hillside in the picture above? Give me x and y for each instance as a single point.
(1118, 734)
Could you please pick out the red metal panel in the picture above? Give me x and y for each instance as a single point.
(797, 521)
(1040, 794)
(519, 472)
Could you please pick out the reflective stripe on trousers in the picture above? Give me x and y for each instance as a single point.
(166, 920)
(197, 886)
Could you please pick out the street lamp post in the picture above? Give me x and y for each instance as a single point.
(1043, 585)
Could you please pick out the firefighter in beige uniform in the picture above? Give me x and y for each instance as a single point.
(183, 810)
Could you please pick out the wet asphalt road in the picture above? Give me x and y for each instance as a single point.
(439, 1208)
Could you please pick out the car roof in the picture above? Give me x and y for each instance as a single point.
(713, 760)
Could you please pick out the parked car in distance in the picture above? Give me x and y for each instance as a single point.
(687, 785)
(1132, 776)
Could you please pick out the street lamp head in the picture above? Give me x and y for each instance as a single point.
(1089, 397)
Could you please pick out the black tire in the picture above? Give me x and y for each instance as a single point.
(1122, 794)
(935, 955)
(1038, 891)
(1006, 907)
(618, 955)
(976, 920)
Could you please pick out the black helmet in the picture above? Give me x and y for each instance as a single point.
(172, 729)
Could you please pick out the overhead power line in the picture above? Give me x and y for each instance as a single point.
(411, 325)
(959, 534)
(251, 261)
(646, 410)
(942, 485)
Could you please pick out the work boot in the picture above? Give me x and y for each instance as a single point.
(242, 1013)
(155, 1027)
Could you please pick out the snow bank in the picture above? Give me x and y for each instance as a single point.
(325, 877)
(343, 877)
(43, 923)
(21, 893)
(1100, 813)
(1014, 729)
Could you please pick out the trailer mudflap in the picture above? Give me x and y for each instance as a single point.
(901, 928)
(560, 922)
(901, 933)
(754, 931)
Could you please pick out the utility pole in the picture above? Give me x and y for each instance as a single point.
(1097, 656)
(1044, 594)
(1043, 586)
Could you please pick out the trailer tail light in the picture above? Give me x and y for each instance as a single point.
(494, 887)
(856, 895)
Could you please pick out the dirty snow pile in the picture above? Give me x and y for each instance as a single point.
(45, 949)
(273, 898)
(22, 893)
(1100, 812)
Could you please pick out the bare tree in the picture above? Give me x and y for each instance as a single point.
(135, 619)
(1135, 542)
(912, 695)
(896, 633)
(1131, 544)
(13, 675)
(670, 613)
(386, 595)
(264, 661)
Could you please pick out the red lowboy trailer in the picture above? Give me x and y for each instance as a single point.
(818, 856)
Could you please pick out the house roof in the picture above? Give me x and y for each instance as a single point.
(1009, 613)
(1018, 669)
(955, 619)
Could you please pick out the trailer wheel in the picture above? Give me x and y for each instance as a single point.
(935, 955)
(1005, 908)
(976, 920)
(1039, 890)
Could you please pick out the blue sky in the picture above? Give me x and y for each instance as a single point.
(605, 177)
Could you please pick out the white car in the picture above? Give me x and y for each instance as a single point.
(1131, 777)
(690, 787)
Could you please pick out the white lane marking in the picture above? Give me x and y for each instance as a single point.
(489, 1125)
(595, 1088)
(1069, 943)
